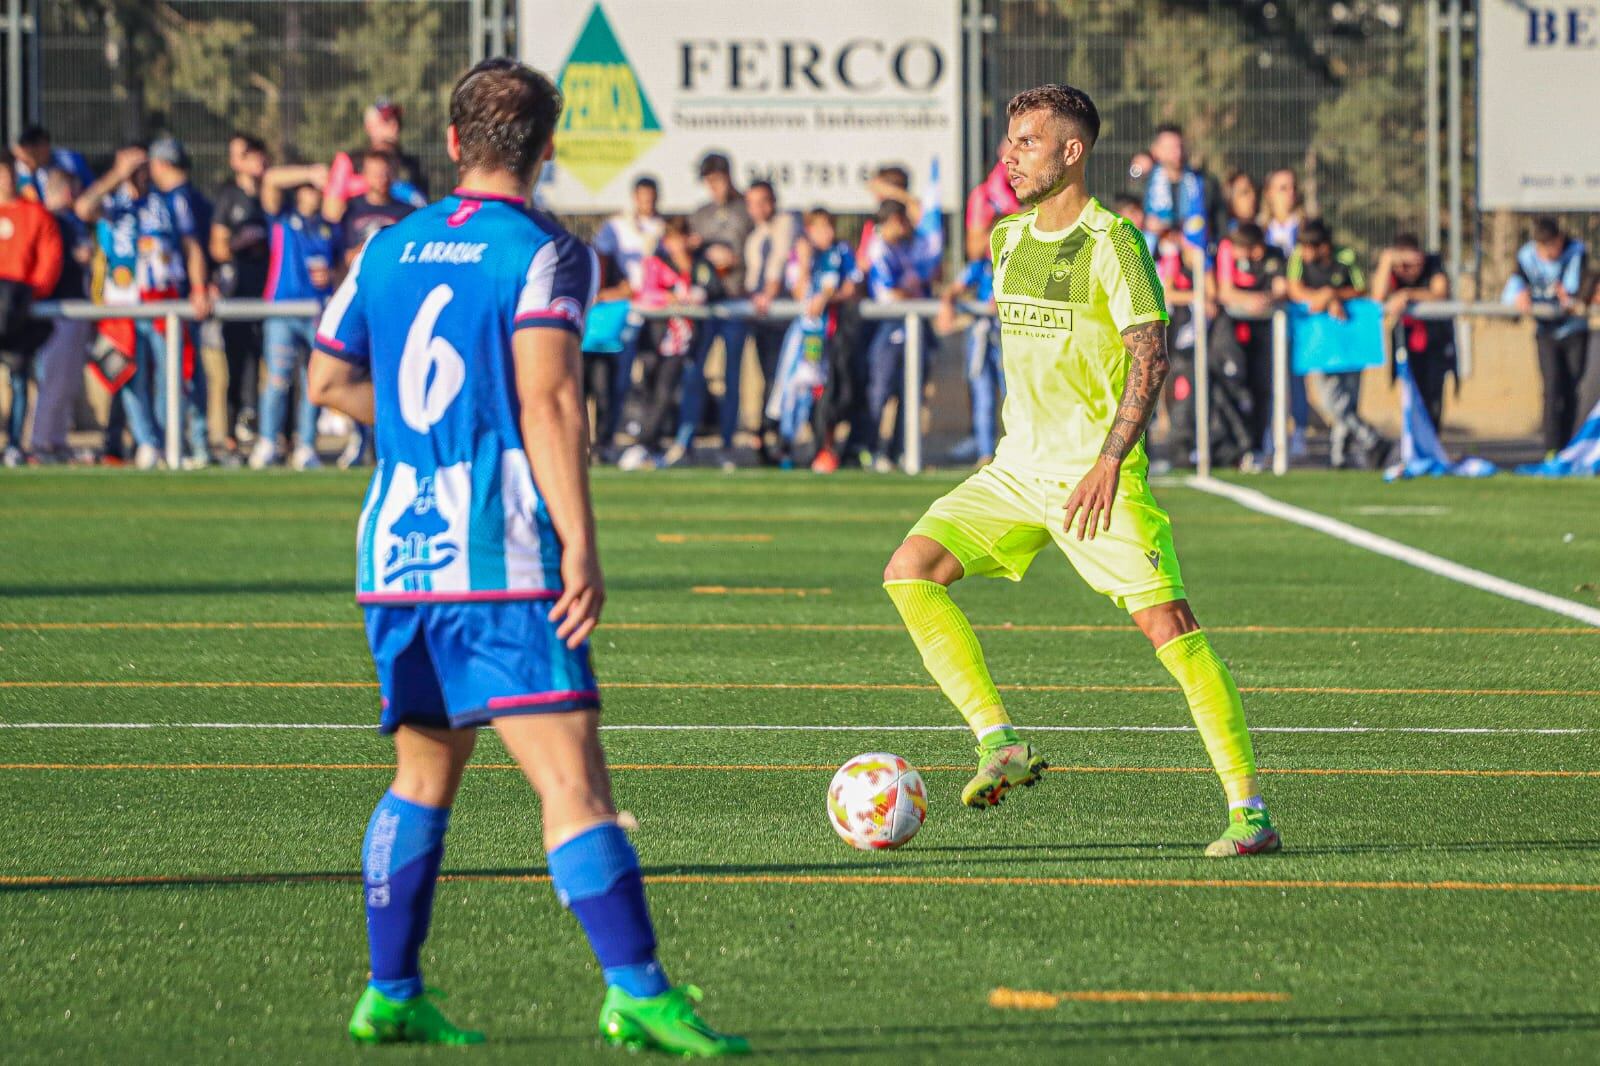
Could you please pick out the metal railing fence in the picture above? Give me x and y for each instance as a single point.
(915, 314)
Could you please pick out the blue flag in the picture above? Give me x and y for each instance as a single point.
(1323, 344)
(1581, 458)
(1421, 453)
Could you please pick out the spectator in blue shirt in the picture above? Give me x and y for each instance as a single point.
(986, 381)
(147, 195)
(1549, 277)
(892, 277)
(1175, 198)
(37, 157)
(301, 250)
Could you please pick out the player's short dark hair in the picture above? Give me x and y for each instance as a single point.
(817, 214)
(33, 136)
(504, 113)
(890, 210)
(1167, 127)
(1407, 242)
(251, 143)
(675, 226)
(767, 185)
(1546, 228)
(1125, 199)
(1072, 106)
(1248, 236)
(380, 153)
(647, 182)
(1315, 232)
(897, 176)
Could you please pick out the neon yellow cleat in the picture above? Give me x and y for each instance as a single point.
(1249, 832)
(1002, 768)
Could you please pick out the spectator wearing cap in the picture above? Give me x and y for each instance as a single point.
(238, 245)
(61, 360)
(1550, 277)
(37, 156)
(766, 265)
(718, 231)
(302, 248)
(382, 123)
(30, 265)
(168, 217)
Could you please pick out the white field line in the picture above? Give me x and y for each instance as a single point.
(1361, 538)
(763, 728)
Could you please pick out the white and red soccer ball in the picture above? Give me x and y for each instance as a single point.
(877, 800)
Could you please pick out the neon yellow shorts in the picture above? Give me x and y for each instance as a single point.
(997, 520)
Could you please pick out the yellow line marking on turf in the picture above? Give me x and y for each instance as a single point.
(1020, 999)
(917, 880)
(1356, 771)
(729, 590)
(836, 627)
(840, 686)
(713, 538)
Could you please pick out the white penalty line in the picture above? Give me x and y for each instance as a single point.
(1361, 538)
(764, 728)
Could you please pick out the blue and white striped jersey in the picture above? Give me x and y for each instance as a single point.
(430, 306)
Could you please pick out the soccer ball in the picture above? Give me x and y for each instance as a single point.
(877, 800)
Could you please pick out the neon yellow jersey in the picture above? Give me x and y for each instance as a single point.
(1064, 299)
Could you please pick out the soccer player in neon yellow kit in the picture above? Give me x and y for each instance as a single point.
(1084, 342)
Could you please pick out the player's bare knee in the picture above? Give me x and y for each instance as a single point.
(1166, 622)
(922, 559)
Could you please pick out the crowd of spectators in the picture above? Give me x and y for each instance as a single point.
(142, 231)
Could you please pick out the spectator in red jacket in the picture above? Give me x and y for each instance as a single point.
(30, 266)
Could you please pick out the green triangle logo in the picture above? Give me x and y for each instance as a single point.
(607, 122)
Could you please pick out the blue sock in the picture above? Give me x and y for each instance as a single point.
(596, 876)
(400, 865)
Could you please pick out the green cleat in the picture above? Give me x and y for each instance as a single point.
(1002, 768)
(381, 1020)
(664, 1023)
(1249, 832)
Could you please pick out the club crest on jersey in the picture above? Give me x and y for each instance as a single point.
(418, 551)
(1154, 558)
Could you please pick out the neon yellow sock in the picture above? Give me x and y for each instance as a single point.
(950, 650)
(1218, 712)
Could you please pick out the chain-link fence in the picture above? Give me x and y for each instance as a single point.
(297, 73)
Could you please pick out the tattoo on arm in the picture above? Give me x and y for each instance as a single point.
(1147, 375)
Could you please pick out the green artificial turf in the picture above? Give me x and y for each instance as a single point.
(1412, 917)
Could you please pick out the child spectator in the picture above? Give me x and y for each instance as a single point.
(675, 274)
(1405, 276)
(1323, 277)
(824, 266)
(303, 247)
(986, 383)
(892, 277)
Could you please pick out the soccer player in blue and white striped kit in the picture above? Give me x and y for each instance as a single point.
(455, 334)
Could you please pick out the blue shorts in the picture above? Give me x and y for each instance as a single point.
(455, 665)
